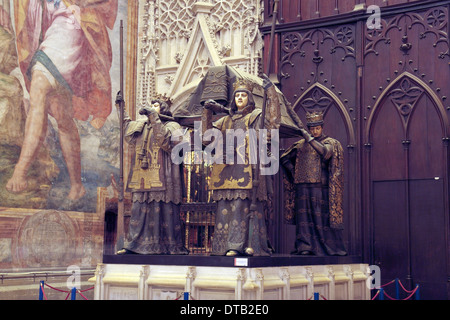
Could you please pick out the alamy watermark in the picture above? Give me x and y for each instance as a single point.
(237, 147)
(374, 277)
(74, 280)
(374, 21)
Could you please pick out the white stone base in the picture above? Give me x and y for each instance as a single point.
(169, 282)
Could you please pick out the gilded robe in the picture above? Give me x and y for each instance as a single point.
(233, 189)
(314, 196)
(156, 186)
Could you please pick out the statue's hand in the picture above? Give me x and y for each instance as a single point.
(308, 137)
(213, 106)
(146, 111)
(266, 82)
(119, 98)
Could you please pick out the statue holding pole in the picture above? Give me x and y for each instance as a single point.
(155, 183)
(239, 188)
(314, 168)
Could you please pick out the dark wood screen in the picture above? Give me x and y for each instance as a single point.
(291, 11)
(385, 92)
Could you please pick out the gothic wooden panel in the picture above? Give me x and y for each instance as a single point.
(427, 152)
(428, 243)
(387, 150)
(313, 64)
(406, 125)
(390, 229)
(417, 204)
(386, 90)
(300, 10)
(411, 44)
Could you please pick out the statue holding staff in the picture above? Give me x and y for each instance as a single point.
(155, 183)
(315, 165)
(238, 230)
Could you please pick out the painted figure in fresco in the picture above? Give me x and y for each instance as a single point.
(155, 183)
(315, 165)
(65, 56)
(232, 184)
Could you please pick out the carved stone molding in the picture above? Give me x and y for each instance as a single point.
(179, 40)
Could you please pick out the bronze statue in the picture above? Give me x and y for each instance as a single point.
(314, 169)
(155, 183)
(240, 225)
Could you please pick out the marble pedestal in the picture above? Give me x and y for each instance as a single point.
(136, 277)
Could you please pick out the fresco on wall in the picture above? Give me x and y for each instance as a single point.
(59, 132)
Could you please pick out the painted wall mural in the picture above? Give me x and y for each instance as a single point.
(59, 75)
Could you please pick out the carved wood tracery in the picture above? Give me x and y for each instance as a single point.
(433, 22)
(318, 50)
(404, 92)
(405, 38)
(292, 44)
(320, 98)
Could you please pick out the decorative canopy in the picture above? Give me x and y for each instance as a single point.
(218, 85)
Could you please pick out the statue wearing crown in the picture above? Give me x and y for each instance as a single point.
(155, 183)
(314, 168)
(234, 184)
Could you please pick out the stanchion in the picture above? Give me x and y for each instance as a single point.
(317, 296)
(41, 291)
(73, 295)
(397, 288)
(417, 296)
(382, 293)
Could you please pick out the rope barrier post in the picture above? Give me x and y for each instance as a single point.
(417, 292)
(41, 293)
(376, 295)
(186, 296)
(397, 289)
(381, 294)
(316, 296)
(73, 294)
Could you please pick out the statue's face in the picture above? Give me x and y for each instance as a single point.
(316, 131)
(241, 99)
(157, 107)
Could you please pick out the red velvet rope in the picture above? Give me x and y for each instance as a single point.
(55, 288)
(412, 292)
(386, 284)
(409, 291)
(408, 297)
(82, 295)
(68, 292)
(376, 295)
